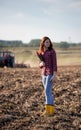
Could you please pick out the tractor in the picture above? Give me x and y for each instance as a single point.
(7, 59)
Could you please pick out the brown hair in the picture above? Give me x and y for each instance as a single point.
(41, 48)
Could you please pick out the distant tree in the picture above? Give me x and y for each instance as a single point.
(4, 43)
(34, 42)
(64, 45)
(79, 43)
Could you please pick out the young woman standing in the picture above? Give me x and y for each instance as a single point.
(48, 65)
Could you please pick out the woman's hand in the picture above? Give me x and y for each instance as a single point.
(54, 78)
(42, 64)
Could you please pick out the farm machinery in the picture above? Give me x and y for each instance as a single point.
(7, 59)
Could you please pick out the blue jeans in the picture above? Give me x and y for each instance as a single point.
(48, 89)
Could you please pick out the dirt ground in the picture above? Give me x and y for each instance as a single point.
(22, 100)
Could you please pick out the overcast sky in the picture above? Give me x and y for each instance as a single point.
(29, 19)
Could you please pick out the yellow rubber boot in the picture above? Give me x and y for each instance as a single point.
(49, 110)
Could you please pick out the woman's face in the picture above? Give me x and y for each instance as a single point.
(47, 43)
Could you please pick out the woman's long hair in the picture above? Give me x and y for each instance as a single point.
(41, 48)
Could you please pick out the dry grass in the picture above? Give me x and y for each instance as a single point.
(28, 55)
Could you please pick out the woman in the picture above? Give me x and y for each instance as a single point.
(48, 65)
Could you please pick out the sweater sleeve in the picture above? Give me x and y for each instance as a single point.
(54, 58)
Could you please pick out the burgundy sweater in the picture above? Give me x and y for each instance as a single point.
(50, 60)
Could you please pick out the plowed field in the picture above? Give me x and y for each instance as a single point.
(22, 100)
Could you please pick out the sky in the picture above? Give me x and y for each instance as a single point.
(25, 20)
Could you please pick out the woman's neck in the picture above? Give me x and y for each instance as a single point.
(45, 48)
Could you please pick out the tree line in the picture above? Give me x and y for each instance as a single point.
(4, 43)
(36, 43)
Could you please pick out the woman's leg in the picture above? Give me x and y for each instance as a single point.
(48, 89)
(49, 107)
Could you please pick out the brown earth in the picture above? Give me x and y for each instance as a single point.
(22, 100)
